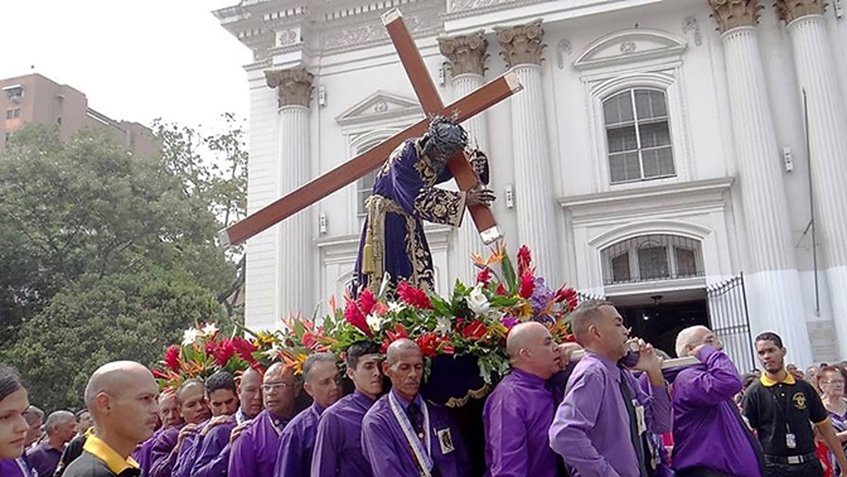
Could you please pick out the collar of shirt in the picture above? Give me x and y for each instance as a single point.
(528, 378)
(362, 398)
(405, 402)
(768, 382)
(611, 367)
(318, 408)
(117, 464)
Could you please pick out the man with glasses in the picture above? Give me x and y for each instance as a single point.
(710, 438)
(254, 450)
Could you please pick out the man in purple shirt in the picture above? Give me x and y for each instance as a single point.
(60, 428)
(519, 411)
(193, 409)
(710, 438)
(213, 455)
(320, 381)
(253, 452)
(338, 445)
(169, 415)
(601, 425)
(403, 435)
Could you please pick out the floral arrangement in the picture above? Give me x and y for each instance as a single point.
(474, 320)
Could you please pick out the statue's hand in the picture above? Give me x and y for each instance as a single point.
(479, 163)
(480, 195)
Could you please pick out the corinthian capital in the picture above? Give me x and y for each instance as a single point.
(790, 10)
(735, 13)
(467, 53)
(521, 43)
(294, 86)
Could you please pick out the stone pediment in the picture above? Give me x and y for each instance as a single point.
(627, 46)
(378, 107)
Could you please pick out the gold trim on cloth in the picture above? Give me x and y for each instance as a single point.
(472, 393)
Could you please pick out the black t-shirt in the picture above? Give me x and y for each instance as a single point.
(773, 408)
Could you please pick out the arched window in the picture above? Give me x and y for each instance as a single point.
(638, 135)
(652, 257)
(364, 188)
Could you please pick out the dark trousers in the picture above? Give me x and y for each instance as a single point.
(813, 468)
(700, 472)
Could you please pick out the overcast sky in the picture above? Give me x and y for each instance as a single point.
(134, 59)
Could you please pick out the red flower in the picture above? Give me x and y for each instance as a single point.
(367, 301)
(353, 315)
(172, 357)
(309, 340)
(484, 276)
(524, 259)
(501, 290)
(223, 351)
(158, 374)
(446, 347)
(568, 295)
(428, 343)
(244, 349)
(527, 285)
(413, 296)
(474, 330)
(392, 336)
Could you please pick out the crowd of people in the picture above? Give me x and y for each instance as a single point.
(614, 411)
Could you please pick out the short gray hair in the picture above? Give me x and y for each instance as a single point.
(57, 418)
(314, 359)
(687, 337)
(585, 315)
(32, 414)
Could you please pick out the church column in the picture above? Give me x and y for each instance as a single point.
(296, 274)
(467, 55)
(773, 279)
(816, 74)
(534, 197)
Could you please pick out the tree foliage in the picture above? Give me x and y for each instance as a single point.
(107, 255)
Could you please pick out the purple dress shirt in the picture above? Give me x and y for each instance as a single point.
(707, 427)
(338, 444)
(591, 426)
(43, 459)
(253, 453)
(389, 453)
(188, 452)
(517, 415)
(162, 457)
(213, 456)
(142, 454)
(15, 468)
(297, 442)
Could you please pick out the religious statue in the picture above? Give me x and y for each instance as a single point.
(393, 243)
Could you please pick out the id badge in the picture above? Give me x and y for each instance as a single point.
(790, 440)
(640, 418)
(445, 440)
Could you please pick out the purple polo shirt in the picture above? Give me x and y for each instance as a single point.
(44, 459)
(338, 444)
(15, 468)
(390, 454)
(253, 453)
(517, 416)
(297, 442)
(591, 426)
(707, 427)
(142, 453)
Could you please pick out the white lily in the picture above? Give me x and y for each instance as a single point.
(396, 307)
(209, 330)
(442, 326)
(190, 336)
(374, 321)
(477, 301)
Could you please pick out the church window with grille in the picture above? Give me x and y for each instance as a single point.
(638, 136)
(652, 257)
(364, 188)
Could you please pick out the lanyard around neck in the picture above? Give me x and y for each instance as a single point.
(421, 454)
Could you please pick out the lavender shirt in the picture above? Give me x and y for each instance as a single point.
(44, 459)
(517, 415)
(390, 454)
(253, 453)
(297, 442)
(213, 455)
(142, 453)
(188, 452)
(338, 444)
(14, 468)
(707, 428)
(162, 457)
(591, 426)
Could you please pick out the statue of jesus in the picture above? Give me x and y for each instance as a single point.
(404, 194)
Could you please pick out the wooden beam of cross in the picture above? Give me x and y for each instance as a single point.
(431, 103)
(358, 167)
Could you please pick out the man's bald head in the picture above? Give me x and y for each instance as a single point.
(113, 379)
(400, 347)
(532, 349)
(523, 335)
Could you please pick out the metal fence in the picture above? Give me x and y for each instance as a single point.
(730, 320)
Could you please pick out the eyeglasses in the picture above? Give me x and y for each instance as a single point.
(833, 381)
(268, 387)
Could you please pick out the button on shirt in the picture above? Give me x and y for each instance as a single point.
(591, 426)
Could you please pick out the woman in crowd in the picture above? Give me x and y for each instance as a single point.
(13, 426)
(831, 382)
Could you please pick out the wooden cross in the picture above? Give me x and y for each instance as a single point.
(461, 110)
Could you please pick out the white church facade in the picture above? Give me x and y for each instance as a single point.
(656, 153)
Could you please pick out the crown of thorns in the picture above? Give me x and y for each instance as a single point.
(447, 134)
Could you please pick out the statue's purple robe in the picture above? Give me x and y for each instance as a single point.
(338, 444)
(408, 179)
(517, 416)
(297, 442)
(254, 451)
(390, 455)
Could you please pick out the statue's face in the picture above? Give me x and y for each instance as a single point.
(441, 153)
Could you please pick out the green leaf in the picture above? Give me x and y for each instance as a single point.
(509, 275)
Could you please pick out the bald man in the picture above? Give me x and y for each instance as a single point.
(519, 411)
(254, 451)
(191, 397)
(60, 428)
(121, 397)
(403, 435)
(710, 439)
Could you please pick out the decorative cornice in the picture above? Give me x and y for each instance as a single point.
(467, 53)
(521, 43)
(294, 86)
(735, 13)
(790, 10)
